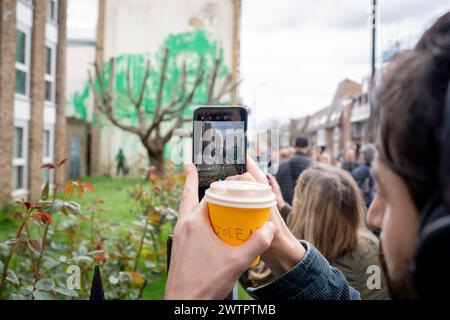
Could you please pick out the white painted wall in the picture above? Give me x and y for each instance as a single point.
(141, 26)
(79, 59)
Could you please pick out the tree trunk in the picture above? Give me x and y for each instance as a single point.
(157, 160)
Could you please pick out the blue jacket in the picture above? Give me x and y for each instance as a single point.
(312, 279)
(365, 182)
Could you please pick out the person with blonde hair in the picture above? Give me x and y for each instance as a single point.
(328, 211)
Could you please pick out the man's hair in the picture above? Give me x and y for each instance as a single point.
(368, 153)
(328, 211)
(409, 105)
(301, 142)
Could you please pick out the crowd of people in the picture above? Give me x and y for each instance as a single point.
(293, 160)
(327, 207)
(334, 222)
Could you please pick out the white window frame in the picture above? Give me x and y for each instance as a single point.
(26, 1)
(24, 67)
(50, 157)
(23, 161)
(50, 77)
(53, 19)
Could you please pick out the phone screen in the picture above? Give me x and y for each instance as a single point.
(219, 148)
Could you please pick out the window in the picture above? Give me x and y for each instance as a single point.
(52, 12)
(18, 181)
(49, 74)
(19, 158)
(21, 45)
(46, 144)
(21, 63)
(48, 91)
(48, 60)
(47, 155)
(336, 139)
(18, 140)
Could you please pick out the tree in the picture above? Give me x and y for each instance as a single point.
(161, 103)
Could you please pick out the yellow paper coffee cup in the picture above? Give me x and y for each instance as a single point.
(238, 208)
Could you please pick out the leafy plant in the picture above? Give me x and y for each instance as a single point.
(55, 233)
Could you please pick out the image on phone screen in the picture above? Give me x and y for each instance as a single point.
(219, 150)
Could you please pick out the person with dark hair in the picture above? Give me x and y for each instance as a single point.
(411, 207)
(290, 169)
(362, 174)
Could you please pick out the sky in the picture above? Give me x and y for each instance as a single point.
(294, 53)
(82, 19)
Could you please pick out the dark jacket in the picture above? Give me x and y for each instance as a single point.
(313, 278)
(349, 166)
(365, 182)
(355, 264)
(288, 173)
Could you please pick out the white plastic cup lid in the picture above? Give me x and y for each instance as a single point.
(240, 194)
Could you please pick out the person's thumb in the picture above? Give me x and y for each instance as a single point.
(258, 242)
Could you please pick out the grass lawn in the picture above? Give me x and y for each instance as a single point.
(115, 193)
(118, 202)
(118, 206)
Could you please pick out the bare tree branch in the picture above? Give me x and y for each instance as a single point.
(158, 118)
(227, 88)
(175, 113)
(105, 104)
(169, 107)
(213, 80)
(137, 103)
(161, 86)
(148, 131)
(177, 124)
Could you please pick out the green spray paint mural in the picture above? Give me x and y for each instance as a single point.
(190, 68)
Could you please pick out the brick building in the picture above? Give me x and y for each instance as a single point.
(330, 128)
(360, 112)
(32, 95)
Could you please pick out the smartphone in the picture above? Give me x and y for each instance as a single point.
(219, 143)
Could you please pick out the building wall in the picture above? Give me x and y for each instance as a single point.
(77, 148)
(325, 132)
(28, 103)
(141, 27)
(80, 57)
(7, 87)
(346, 127)
(37, 95)
(61, 150)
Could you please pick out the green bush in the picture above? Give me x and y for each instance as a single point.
(60, 237)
